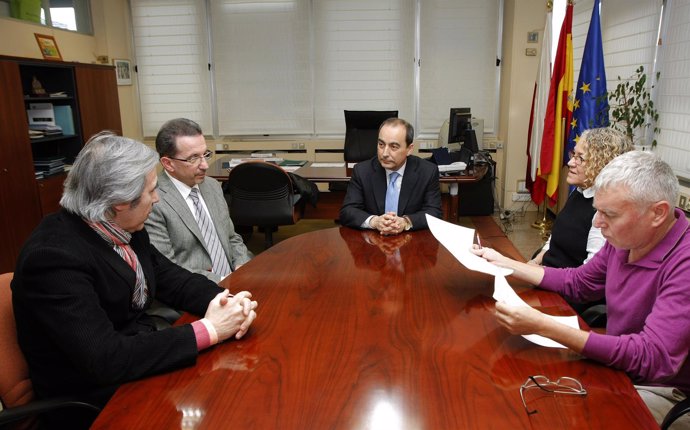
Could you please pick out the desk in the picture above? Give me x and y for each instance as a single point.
(332, 201)
(354, 335)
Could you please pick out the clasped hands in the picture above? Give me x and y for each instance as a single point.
(231, 315)
(388, 223)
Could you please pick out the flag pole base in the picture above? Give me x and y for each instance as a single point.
(544, 223)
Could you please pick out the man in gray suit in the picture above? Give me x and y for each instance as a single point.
(191, 224)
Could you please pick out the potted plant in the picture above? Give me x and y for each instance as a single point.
(632, 109)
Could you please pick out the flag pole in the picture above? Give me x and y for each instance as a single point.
(543, 224)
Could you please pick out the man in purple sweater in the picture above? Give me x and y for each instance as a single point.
(642, 270)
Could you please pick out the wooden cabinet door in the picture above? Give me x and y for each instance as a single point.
(19, 205)
(50, 192)
(99, 105)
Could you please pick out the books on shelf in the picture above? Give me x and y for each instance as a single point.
(47, 166)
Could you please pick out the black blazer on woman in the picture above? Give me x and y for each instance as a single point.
(75, 322)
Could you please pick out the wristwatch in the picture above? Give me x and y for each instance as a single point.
(408, 223)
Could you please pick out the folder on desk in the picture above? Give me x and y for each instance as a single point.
(290, 163)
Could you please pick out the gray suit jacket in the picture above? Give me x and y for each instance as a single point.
(173, 230)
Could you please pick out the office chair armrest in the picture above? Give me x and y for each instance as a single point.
(680, 409)
(595, 316)
(38, 407)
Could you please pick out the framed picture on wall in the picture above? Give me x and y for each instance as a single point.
(123, 71)
(48, 47)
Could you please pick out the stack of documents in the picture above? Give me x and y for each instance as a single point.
(457, 166)
(235, 161)
(47, 166)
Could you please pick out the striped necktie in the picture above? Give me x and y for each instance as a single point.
(392, 194)
(215, 250)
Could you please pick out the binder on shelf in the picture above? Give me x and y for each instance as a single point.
(64, 119)
(41, 114)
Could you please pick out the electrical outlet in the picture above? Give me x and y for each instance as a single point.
(521, 197)
(522, 186)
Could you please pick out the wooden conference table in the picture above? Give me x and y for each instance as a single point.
(359, 331)
(330, 202)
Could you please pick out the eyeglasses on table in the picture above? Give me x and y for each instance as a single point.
(563, 385)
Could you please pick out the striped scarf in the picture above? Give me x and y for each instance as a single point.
(119, 240)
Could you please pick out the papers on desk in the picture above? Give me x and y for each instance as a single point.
(458, 241)
(503, 292)
(457, 166)
(235, 161)
(327, 165)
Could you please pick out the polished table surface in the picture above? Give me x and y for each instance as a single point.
(360, 331)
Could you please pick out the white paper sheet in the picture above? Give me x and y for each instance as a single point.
(458, 240)
(327, 165)
(503, 292)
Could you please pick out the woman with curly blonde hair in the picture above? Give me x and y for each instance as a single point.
(574, 240)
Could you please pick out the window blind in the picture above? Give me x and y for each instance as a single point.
(458, 46)
(263, 75)
(629, 29)
(363, 59)
(172, 62)
(285, 67)
(673, 91)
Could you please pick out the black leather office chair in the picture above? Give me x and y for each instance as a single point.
(362, 133)
(676, 412)
(262, 194)
(21, 410)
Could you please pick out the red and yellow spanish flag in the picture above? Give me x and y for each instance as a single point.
(559, 111)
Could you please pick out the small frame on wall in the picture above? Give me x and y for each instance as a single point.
(123, 71)
(48, 47)
(532, 36)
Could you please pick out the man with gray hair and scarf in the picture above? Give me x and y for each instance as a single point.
(643, 272)
(88, 273)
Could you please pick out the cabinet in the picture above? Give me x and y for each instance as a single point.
(88, 98)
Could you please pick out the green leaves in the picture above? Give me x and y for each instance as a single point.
(632, 107)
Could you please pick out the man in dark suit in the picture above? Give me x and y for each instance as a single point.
(393, 191)
(87, 275)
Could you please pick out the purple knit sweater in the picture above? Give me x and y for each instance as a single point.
(648, 305)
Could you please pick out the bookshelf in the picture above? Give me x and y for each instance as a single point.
(85, 101)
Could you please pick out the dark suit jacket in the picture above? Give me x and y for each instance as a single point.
(366, 193)
(75, 324)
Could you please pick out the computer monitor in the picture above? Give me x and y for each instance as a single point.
(459, 121)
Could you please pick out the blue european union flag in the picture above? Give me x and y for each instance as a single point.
(591, 105)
